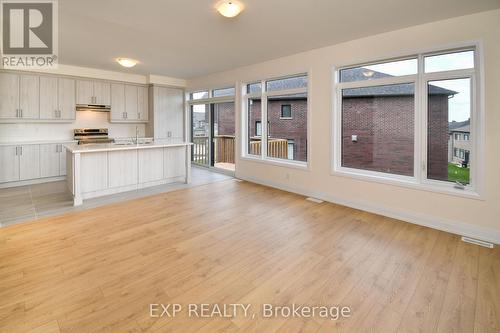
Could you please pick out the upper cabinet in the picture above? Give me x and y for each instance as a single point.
(166, 114)
(57, 98)
(19, 96)
(93, 92)
(129, 103)
(27, 97)
(9, 95)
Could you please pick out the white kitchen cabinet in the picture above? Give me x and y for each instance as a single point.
(57, 98)
(117, 101)
(84, 92)
(62, 160)
(102, 93)
(48, 98)
(9, 162)
(150, 165)
(166, 114)
(66, 98)
(93, 92)
(50, 160)
(131, 102)
(174, 162)
(128, 103)
(29, 96)
(94, 172)
(29, 162)
(142, 103)
(122, 168)
(9, 95)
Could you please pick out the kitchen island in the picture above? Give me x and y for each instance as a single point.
(96, 170)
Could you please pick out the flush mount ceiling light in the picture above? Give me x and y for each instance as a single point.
(229, 8)
(126, 62)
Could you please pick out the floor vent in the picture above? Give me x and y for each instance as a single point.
(315, 200)
(477, 242)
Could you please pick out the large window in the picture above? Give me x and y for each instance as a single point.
(412, 120)
(273, 102)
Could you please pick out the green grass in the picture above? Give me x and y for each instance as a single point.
(458, 174)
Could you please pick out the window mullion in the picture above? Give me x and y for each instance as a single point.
(420, 124)
(264, 127)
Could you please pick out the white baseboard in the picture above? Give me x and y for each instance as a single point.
(32, 181)
(454, 227)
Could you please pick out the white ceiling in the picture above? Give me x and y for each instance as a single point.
(188, 38)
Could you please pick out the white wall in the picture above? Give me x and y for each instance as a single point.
(477, 218)
(33, 132)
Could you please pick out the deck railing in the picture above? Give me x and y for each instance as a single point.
(277, 148)
(200, 150)
(224, 148)
(225, 144)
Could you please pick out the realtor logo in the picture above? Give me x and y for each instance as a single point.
(29, 34)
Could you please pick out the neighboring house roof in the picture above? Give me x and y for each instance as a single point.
(288, 83)
(407, 89)
(465, 129)
(459, 126)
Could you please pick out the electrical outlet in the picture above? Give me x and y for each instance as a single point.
(287, 176)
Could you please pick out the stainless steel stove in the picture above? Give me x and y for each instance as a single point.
(91, 135)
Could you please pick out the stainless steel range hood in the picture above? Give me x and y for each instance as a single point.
(93, 107)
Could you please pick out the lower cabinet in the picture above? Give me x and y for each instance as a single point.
(32, 161)
(29, 162)
(150, 165)
(175, 162)
(19, 163)
(94, 172)
(122, 168)
(52, 160)
(9, 162)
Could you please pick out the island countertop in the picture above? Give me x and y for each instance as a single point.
(102, 147)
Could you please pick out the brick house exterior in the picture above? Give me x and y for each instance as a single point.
(378, 130)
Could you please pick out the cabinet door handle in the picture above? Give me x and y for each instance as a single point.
(21, 117)
(59, 113)
(21, 150)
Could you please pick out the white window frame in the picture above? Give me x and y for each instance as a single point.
(419, 180)
(209, 100)
(281, 112)
(264, 95)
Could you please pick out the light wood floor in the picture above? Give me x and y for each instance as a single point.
(235, 242)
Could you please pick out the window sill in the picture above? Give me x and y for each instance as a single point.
(410, 183)
(286, 118)
(278, 162)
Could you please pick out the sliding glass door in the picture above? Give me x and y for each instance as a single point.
(200, 134)
(223, 131)
(213, 135)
